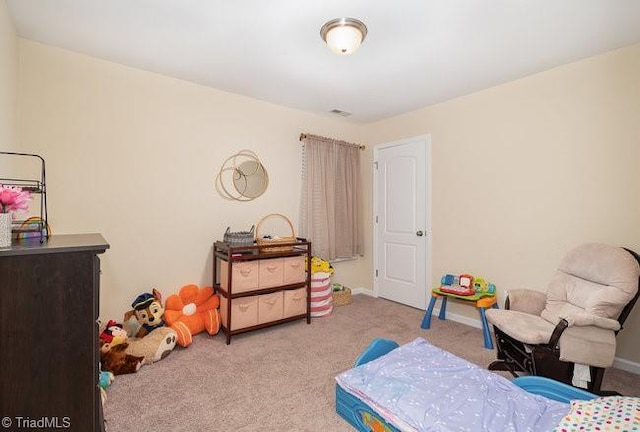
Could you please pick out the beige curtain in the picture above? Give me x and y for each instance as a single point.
(331, 202)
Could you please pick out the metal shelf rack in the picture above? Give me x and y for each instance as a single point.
(33, 226)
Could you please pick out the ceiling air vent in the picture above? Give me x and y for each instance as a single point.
(340, 112)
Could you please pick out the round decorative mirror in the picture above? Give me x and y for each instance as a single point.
(242, 177)
(250, 179)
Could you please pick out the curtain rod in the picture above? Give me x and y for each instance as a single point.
(321, 138)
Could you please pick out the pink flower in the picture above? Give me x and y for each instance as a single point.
(13, 198)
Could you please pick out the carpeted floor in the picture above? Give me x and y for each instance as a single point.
(281, 378)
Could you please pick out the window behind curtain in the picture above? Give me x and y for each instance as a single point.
(331, 202)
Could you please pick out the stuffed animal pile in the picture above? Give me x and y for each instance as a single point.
(113, 351)
(159, 328)
(120, 354)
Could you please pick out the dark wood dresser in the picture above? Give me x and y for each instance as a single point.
(49, 306)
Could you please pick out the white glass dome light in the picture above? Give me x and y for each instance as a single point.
(343, 35)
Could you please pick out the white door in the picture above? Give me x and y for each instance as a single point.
(401, 218)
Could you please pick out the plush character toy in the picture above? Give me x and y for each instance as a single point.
(319, 265)
(116, 360)
(148, 310)
(106, 378)
(154, 346)
(113, 353)
(192, 311)
(113, 334)
(123, 355)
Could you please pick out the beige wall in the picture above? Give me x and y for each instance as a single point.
(524, 171)
(521, 172)
(8, 84)
(133, 155)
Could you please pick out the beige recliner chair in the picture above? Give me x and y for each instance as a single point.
(569, 332)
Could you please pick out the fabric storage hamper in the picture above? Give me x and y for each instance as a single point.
(321, 296)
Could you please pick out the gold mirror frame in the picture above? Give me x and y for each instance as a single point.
(242, 177)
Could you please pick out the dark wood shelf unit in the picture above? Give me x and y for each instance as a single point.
(236, 254)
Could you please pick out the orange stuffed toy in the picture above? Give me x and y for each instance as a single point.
(192, 311)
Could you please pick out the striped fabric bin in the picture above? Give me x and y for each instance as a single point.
(321, 295)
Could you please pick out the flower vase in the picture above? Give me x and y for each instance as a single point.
(5, 230)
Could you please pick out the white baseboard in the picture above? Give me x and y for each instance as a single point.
(364, 291)
(626, 365)
(618, 363)
(452, 316)
(459, 318)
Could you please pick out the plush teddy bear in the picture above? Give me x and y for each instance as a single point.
(116, 360)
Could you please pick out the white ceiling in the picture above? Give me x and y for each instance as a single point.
(417, 52)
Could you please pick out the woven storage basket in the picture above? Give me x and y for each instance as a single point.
(342, 297)
(275, 242)
(239, 238)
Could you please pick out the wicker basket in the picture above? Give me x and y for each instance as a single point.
(342, 297)
(288, 240)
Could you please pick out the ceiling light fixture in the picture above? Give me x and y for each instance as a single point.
(343, 35)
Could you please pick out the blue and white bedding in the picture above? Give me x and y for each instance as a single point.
(419, 387)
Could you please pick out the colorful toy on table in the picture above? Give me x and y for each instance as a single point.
(482, 286)
(468, 288)
(465, 286)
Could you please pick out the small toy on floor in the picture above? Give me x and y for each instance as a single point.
(106, 378)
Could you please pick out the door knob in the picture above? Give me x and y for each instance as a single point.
(419, 233)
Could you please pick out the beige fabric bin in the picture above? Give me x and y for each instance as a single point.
(244, 312)
(294, 270)
(271, 272)
(244, 276)
(270, 307)
(295, 302)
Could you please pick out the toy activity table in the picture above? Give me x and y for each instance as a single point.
(482, 302)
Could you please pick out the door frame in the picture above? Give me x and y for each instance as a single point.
(427, 223)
